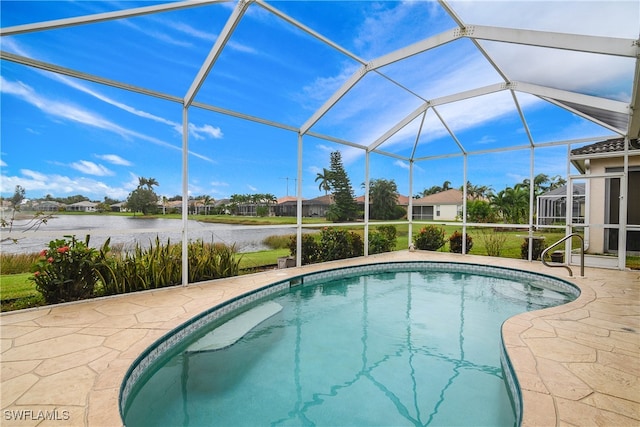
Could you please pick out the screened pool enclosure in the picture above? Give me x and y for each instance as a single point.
(421, 92)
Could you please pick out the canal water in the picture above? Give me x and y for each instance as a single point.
(126, 231)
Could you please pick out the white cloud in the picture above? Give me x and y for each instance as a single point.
(189, 30)
(240, 47)
(60, 185)
(379, 32)
(82, 88)
(252, 188)
(91, 168)
(219, 184)
(199, 132)
(604, 18)
(325, 148)
(71, 112)
(401, 164)
(155, 34)
(58, 108)
(114, 159)
(322, 88)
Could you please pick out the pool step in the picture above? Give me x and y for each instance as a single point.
(230, 332)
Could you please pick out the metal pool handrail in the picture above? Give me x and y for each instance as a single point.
(566, 265)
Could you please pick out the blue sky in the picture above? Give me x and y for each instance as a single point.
(65, 136)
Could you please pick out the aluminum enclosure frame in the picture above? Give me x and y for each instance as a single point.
(595, 109)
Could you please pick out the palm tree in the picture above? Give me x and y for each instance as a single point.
(325, 180)
(207, 200)
(477, 192)
(512, 203)
(147, 182)
(446, 185)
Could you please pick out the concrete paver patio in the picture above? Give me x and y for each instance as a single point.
(577, 364)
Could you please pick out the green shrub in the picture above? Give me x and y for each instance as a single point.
(389, 231)
(310, 248)
(538, 247)
(399, 212)
(480, 211)
(455, 242)
(383, 239)
(430, 238)
(69, 270)
(66, 270)
(339, 244)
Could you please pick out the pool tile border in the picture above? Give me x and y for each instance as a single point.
(178, 335)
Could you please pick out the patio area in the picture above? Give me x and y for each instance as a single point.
(577, 364)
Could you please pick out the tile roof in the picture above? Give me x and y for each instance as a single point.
(448, 197)
(608, 146)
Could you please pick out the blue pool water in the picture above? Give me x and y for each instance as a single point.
(386, 349)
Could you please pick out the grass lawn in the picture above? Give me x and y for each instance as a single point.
(17, 291)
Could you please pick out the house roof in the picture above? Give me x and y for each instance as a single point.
(608, 148)
(322, 200)
(403, 200)
(448, 197)
(578, 190)
(287, 199)
(602, 147)
(85, 204)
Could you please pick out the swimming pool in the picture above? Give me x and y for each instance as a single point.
(383, 344)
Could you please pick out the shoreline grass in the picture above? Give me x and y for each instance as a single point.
(18, 292)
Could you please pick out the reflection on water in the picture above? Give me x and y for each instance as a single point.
(126, 231)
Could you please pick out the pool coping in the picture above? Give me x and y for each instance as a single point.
(576, 364)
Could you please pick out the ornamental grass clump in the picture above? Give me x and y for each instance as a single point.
(66, 270)
(430, 238)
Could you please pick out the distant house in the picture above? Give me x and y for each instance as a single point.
(604, 160)
(48, 206)
(445, 206)
(84, 206)
(287, 206)
(119, 207)
(317, 207)
(552, 206)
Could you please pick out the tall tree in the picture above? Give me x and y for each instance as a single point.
(325, 181)
(477, 192)
(512, 204)
(143, 199)
(344, 207)
(18, 197)
(429, 191)
(384, 198)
